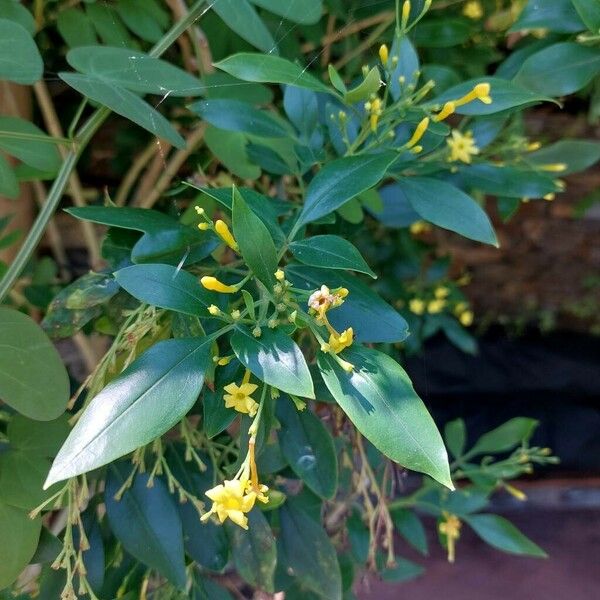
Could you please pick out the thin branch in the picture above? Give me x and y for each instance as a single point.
(150, 177)
(371, 39)
(133, 173)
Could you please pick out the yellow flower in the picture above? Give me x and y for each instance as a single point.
(466, 318)
(419, 133)
(555, 168)
(231, 500)
(515, 492)
(338, 342)
(533, 146)
(213, 284)
(473, 10)
(441, 292)
(383, 54)
(416, 306)
(480, 92)
(203, 226)
(405, 13)
(462, 147)
(324, 299)
(450, 528)
(214, 310)
(375, 111)
(447, 110)
(419, 227)
(279, 275)
(240, 396)
(436, 306)
(223, 232)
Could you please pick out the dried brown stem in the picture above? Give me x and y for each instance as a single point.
(133, 173)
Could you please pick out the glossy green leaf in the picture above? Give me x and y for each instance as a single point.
(20, 536)
(16, 41)
(330, 252)
(503, 535)
(146, 522)
(307, 553)
(9, 184)
(253, 551)
(411, 528)
(208, 589)
(372, 319)
(589, 12)
(254, 240)
(39, 151)
(222, 85)
(577, 155)
(146, 18)
(240, 16)
(166, 287)
(339, 181)
(235, 115)
(230, 147)
(275, 359)
(134, 70)
(76, 28)
(308, 447)
(506, 95)
(507, 181)
(441, 32)
(33, 379)
(108, 24)
(263, 68)
(141, 404)
(403, 570)
(455, 436)
(505, 437)
(558, 15)
(560, 69)
(380, 400)
(407, 67)
(38, 438)
(369, 85)
(124, 103)
(15, 11)
(305, 12)
(138, 219)
(448, 207)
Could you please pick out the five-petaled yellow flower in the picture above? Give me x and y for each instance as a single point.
(462, 147)
(232, 500)
(450, 528)
(240, 397)
(338, 342)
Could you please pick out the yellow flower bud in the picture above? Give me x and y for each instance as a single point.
(213, 284)
(214, 310)
(199, 210)
(405, 13)
(446, 111)
(466, 318)
(555, 168)
(533, 146)
(203, 226)
(419, 132)
(235, 314)
(279, 275)
(223, 232)
(416, 306)
(383, 54)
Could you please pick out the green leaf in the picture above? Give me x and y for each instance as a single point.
(307, 553)
(230, 147)
(308, 447)
(443, 32)
(33, 379)
(146, 522)
(503, 535)
(166, 287)
(411, 528)
(305, 12)
(577, 155)
(141, 404)
(275, 359)
(448, 207)
(138, 219)
(207, 589)
(235, 115)
(16, 41)
(254, 240)
(9, 184)
(369, 85)
(262, 68)
(505, 437)
(589, 11)
(39, 151)
(404, 570)
(144, 17)
(372, 319)
(407, 67)
(241, 17)
(339, 181)
(559, 16)
(20, 536)
(379, 399)
(124, 103)
(330, 252)
(222, 85)
(76, 28)
(38, 438)
(560, 69)
(134, 70)
(108, 24)
(336, 80)
(506, 95)
(455, 435)
(15, 11)
(217, 417)
(253, 551)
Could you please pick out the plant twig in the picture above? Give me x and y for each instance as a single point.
(173, 167)
(150, 177)
(133, 173)
(53, 125)
(357, 50)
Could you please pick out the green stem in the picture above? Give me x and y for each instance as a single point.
(81, 140)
